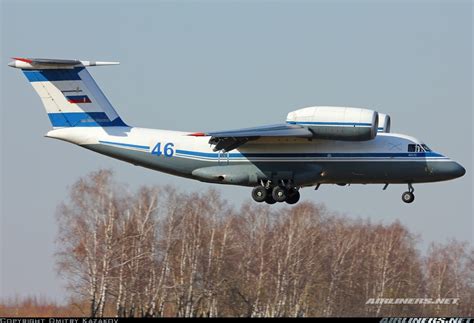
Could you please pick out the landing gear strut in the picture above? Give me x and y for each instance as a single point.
(408, 196)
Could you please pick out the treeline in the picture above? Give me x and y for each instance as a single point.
(161, 252)
(32, 306)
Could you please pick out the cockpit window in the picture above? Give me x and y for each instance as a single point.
(416, 148)
(426, 148)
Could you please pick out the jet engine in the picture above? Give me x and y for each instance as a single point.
(384, 123)
(337, 123)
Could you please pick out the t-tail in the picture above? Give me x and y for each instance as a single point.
(69, 93)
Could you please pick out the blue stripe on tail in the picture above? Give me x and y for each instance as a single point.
(60, 117)
(53, 75)
(84, 119)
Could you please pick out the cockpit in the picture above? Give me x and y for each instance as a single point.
(418, 148)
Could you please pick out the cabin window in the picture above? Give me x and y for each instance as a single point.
(415, 148)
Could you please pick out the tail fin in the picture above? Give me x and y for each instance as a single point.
(69, 93)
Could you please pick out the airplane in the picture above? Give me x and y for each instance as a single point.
(316, 145)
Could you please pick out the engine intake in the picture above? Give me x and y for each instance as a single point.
(384, 123)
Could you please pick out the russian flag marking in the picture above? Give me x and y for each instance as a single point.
(78, 99)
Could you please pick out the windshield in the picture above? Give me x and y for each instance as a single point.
(425, 147)
(417, 148)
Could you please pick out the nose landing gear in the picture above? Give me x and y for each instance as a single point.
(409, 197)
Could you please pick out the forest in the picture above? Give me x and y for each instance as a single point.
(159, 252)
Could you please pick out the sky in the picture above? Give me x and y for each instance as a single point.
(205, 65)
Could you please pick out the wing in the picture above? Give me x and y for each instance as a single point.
(231, 139)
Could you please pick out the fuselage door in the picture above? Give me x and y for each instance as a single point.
(223, 157)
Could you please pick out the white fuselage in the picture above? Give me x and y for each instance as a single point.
(385, 159)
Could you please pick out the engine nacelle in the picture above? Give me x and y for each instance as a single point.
(384, 123)
(337, 123)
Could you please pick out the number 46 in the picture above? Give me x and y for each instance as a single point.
(168, 150)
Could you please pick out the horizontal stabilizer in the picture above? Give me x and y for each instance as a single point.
(49, 63)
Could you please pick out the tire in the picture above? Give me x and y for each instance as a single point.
(279, 194)
(408, 197)
(259, 194)
(269, 199)
(293, 198)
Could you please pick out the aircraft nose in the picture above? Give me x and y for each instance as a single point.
(446, 170)
(458, 170)
(451, 170)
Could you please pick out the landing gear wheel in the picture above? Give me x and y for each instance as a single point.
(279, 194)
(294, 197)
(269, 199)
(259, 194)
(408, 197)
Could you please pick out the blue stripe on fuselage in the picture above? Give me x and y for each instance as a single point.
(286, 155)
(124, 144)
(321, 155)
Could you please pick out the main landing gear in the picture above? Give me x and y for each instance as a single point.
(271, 195)
(408, 196)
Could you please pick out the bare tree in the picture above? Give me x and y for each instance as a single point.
(450, 274)
(87, 235)
(160, 252)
